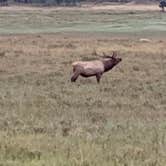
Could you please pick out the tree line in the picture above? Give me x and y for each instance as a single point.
(63, 2)
(50, 2)
(41, 2)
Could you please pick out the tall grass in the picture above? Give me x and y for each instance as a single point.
(47, 120)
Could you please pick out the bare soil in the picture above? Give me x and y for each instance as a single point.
(123, 7)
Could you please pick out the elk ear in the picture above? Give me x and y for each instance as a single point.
(114, 54)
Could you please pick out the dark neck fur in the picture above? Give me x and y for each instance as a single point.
(108, 65)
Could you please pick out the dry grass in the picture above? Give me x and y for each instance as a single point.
(46, 120)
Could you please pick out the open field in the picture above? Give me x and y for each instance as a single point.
(15, 20)
(45, 120)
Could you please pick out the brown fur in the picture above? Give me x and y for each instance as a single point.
(94, 68)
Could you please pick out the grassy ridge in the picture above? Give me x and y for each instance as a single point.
(46, 120)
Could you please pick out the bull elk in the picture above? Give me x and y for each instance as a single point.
(95, 67)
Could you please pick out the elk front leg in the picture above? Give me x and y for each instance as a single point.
(98, 77)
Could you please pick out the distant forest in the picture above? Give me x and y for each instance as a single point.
(66, 2)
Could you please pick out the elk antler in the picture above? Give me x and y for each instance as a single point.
(94, 52)
(106, 56)
(114, 54)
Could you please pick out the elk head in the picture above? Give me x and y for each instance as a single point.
(110, 61)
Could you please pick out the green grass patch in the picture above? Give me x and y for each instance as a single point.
(45, 21)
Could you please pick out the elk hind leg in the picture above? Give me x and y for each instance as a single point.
(75, 76)
(74, 69)
(98, 77)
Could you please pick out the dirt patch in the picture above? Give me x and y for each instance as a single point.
(124, 7)
(127, 7)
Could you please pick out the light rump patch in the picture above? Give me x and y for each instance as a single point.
(95, 67)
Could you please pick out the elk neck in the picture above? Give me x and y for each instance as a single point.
(108, 65)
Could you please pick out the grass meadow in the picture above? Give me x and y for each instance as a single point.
(45, 20)
(45, 120)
